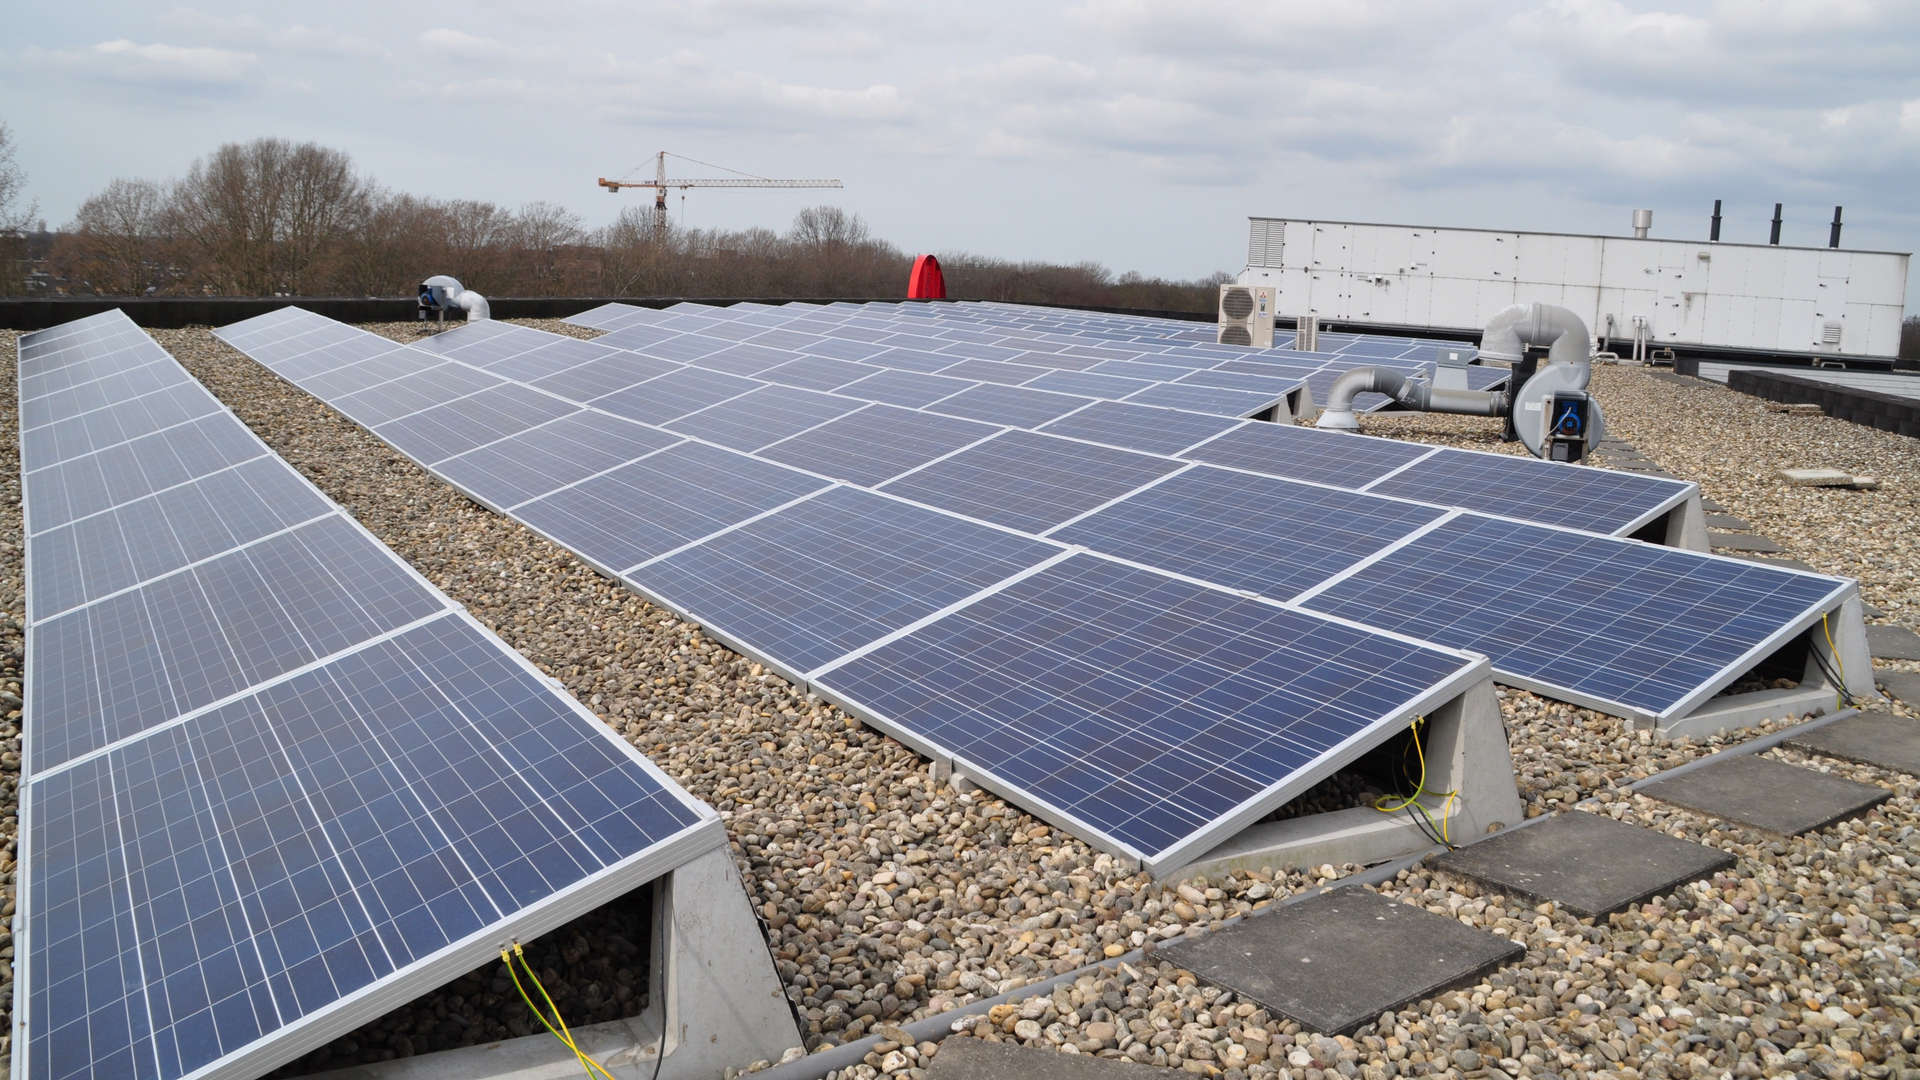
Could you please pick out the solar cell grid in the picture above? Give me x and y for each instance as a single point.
(551, 456)
(876, 443)
(1027, 481)
(115, 424)
(1097, 695)
(1139, 427)
(549, 359)
(763, 416)
(817, 372)
(1207, 399)
(1323, 457)
(408, 394)
(1582, 498)
(744, 359)
(1016, 406)
(598, 378)
(1648, 627)
(438, 433)
(675, 393)
(910, 389)
(831, 573)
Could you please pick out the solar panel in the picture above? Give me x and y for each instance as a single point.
(911, 360)
(1140, 427)
(1150, 714)
(817, 372)
(744, 359)
(598, 378)
(994, 371)
(1576, 496)
(551, 358)
(551, 456)
(1089, 384)
(763, 416)
(676, 393)
(906, 388)
(350, 369)
(829, 574)
(1015, 406)
(275, 785)
(877, 443)
(622, 518)
(1262, 534)
(1207, 399)
(410, 394)
(1603, 621)
(1027, 481)
(435, 434)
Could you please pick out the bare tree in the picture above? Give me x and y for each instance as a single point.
(16, 215)
(118, 243)
(261, 214)
(320, 195)
(828, 227)
(541, 233)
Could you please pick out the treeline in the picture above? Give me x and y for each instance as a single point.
(272, 217)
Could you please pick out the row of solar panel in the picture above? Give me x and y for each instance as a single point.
(833, 581)
(276, 783)
(829, 431)
(1650, 635)
(1161, 372)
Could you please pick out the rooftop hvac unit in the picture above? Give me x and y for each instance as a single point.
(1246, 315)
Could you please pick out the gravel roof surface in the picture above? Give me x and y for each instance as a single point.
(887, 897)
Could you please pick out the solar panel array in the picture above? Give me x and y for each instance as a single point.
(855, 584)
(276, 783)
(782, 549)
(1113, 357)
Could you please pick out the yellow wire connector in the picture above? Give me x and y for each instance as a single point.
(1840, 692)
(1412, 802)
(591, 1067)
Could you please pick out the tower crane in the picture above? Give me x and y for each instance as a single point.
(660, 183)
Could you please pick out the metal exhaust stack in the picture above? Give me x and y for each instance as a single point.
(1713, 230)
(1642, 221)
(1775, 238)
(1833, 238)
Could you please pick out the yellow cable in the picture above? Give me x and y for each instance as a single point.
(587, 1064)
(1840, 694)
(1419, 790)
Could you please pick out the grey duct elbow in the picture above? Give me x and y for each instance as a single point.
(1412, 393)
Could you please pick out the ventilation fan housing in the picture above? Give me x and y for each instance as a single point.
(1246, 315)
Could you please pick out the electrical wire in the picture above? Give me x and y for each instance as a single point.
(587, 1064)
(1840, 684)
(1439, 832)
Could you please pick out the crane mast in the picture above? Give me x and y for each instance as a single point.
(661, 183)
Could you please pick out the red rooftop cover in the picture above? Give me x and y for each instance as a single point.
(926, 282)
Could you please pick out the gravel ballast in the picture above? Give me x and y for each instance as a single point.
(888, 897)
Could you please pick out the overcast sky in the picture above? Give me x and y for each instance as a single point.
(1136, 133)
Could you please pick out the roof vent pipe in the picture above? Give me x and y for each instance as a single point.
(1506, 338)
(1775, 238)
(441, 293)
(1713, 231)
(1833, 238)
(1642, 221)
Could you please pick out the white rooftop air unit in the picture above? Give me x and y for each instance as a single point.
(1246, 315)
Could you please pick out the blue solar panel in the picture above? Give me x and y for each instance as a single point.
(1015, 406)
(994, 371)
(817, 372)
(1089, 384)
(876, 444)
(624, 517)
(363, 372)
(1232, 380)
(1140, 427)
(1132, 370)
(551, 456)
(597, 378)
(977, 351)
(633, 334)
(676, 393)
(438, 433)
(763, 416)
(825, 576)
(1640, 625)
(1155, 715)
(1577, 496)
(681, 348)
(158, 534)
(118, 423)
(235, 876)
(745, 359)
(1297, 453)
(844, 349)
(1261, 534)
(907, 388)
(1207, 399)
(409, 394)
(911, 360)
(1029, 482)
(87, 485)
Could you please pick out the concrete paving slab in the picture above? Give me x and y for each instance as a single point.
(963, 1057)
(1336, 962)
(1728, 523)
(1588, 864)
(1739, 541)
(1893, 643)
(1904, 685)
(1872, 738)
(1768, 795)
(1710, 506)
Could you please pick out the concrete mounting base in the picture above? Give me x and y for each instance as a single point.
(1466, 752)
(716, 1002)
(1816, 694)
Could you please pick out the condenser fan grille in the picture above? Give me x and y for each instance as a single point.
(1235, 335)
(1236, 303)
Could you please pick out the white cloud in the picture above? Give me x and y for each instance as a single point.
(156, 63)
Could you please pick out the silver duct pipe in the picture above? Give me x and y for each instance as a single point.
(475, 305)
(1506, 337)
